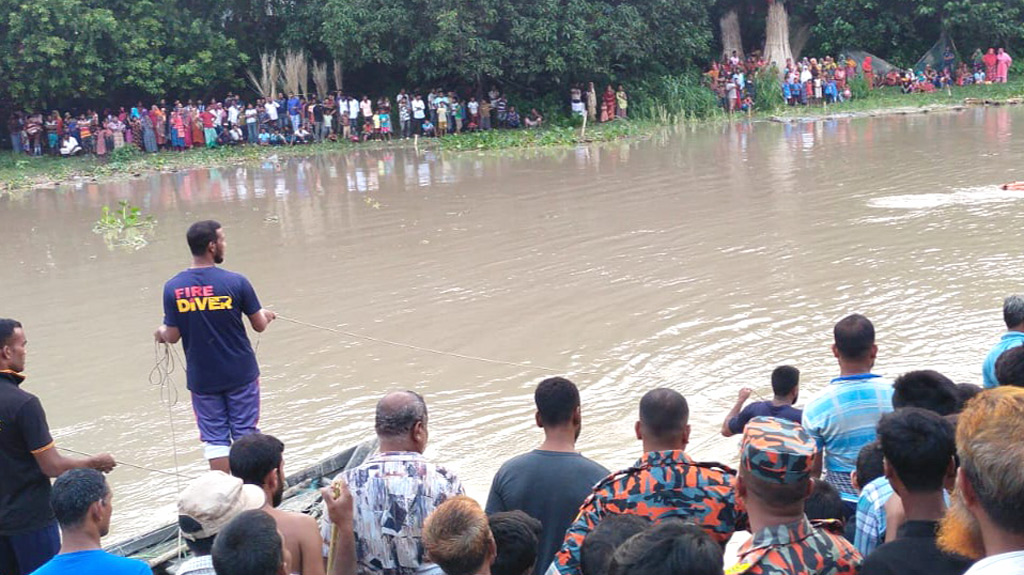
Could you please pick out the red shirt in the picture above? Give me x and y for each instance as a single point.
(207, 118)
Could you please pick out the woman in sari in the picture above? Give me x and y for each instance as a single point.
(101, 141)
(156, 115)
(148, 133)
(198, 136)
(622, 102)
(608, 104)
(1003, 63)
(135, 135)
(117, 132)
(990, 65)
(186, 124)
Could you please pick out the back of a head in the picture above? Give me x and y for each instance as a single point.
(785, 378)
(557, 399)
(992, 454)
(249, 545)
(517, 536)
(824, 502)
(926, 389)
(870, 464)
(600, 544)
(457, 536)
(664, 412)
(253, 456)
(1013, 311)
(965, 392)
(398, 412)
(854, 336)
(73, 493)
(919, 445)
(200, 234)
(1010, 367)
(672, 547)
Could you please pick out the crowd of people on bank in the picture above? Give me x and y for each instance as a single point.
(912, 476)
(281, 120)
(826, 80)
(610, 105)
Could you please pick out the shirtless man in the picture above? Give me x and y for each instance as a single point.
(257, 459)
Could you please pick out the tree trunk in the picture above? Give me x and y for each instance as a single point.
(798, 39)
(732, 41)
(776, 44)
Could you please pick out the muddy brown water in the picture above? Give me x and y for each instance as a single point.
(697, 259)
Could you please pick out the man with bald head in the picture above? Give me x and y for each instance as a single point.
(665, 482)
(394, 491)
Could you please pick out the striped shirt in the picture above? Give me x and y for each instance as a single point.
(843, 417)
(1003, 564)
(1010, 339)
(871, 522)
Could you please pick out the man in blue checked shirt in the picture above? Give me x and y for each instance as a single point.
(842, 417)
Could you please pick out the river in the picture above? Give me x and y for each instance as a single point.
(698, 259)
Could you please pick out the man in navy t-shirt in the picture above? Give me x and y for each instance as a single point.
(203, 306)
(785, 386)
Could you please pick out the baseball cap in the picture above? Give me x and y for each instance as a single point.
(215, 498)
(777, 450)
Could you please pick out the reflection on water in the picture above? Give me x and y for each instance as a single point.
(699, 259)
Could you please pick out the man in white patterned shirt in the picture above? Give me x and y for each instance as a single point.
(394, 492)
(986, 520)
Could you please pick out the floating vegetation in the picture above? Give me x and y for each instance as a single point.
(125, 226)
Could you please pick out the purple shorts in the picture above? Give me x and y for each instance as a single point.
(224, 417)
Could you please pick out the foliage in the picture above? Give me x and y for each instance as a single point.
(124, 226)
(673, 98)
(768, 98)
(900, 31)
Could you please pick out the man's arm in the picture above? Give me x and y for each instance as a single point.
(310, 546)
(261, 319)
(495, 503)
(54, 464)
(741, 398)
(341, 515)
(167, 334)
(567, 560)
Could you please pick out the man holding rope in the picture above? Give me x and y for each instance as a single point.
(28, 457)
(203, 306)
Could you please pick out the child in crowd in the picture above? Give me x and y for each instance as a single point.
(385, 126)
(428, 128)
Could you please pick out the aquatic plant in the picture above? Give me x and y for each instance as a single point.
(124, 226)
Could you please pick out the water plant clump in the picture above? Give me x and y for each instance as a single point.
(124, 226)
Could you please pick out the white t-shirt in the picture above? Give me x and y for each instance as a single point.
(271, 108)
(233, 114)
(417, 109)
(353, 108)
(1003, 564)
(251, 115)
(367, 108)
(473, 107)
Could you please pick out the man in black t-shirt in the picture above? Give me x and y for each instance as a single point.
(203, 307)
(920, 462)
(785, 386)
(550, 482)
(28, 459)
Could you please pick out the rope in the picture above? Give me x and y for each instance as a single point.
(163, 367)
(127, 464)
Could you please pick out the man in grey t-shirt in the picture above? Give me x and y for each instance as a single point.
(550, 482)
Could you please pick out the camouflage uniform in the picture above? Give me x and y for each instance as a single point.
(661, 484)
(780, 451)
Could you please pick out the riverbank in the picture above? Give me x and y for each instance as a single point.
(19, 173)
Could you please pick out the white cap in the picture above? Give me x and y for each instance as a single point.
(215, 498)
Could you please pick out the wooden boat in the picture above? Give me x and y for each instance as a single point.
(163, 550)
